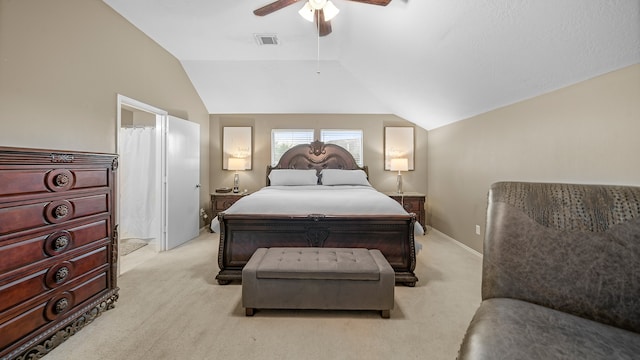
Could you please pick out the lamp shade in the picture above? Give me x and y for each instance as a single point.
(400, 164)
(236, 164)
(307, 12)
(330, 11)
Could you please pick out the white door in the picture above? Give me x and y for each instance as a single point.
(182, 181)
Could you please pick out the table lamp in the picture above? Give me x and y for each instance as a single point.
(236, 164)
(399, 164)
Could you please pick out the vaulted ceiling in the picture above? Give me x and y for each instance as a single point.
(432, 62)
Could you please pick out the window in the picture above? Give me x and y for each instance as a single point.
(348, 139)
(284, 139)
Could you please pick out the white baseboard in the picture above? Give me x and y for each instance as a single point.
(471, 250)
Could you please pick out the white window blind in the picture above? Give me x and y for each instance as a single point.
(284, 139)
(348, 139)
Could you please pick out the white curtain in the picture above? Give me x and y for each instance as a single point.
(137, 186)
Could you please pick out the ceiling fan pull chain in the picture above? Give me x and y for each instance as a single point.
(318, 26)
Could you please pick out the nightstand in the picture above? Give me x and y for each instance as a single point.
(222, 201)
(413, 202)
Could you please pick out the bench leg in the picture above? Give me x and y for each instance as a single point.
(249, 311)
(385, 314)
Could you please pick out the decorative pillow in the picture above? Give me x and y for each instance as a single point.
(343, 177)
(293, 177)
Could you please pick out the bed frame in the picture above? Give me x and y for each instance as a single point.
(242, 234)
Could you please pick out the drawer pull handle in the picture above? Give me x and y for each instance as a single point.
(58, 274)
(61, 180)
(58, 305)
(61, 243)
(61, 211)
(58, 242)
(61, 274)
(61, 305)
(58, 211)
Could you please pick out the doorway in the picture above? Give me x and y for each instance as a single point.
(139, 203)
(166, 170)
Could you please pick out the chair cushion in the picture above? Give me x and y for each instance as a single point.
(573, 248)
(513, 329)
(318, 263)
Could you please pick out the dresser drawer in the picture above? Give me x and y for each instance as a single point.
(412, 205)
(51, 309)
(23, 251)
(32, 215)
(30, 285)
(38, 181)
(224, 203)
(221, 202)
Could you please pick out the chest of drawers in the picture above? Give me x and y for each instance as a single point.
(58, 246)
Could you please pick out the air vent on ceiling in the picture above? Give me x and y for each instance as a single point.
(267, 39)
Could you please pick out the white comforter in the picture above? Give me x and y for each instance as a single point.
(317, 199)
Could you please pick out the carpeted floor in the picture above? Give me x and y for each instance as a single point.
(170, 307)
(127, 246)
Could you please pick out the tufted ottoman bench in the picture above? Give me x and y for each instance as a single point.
(318, 278)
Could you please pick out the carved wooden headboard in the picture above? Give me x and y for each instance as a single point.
(318, 156)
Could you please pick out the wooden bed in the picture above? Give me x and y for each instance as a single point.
(242, 234)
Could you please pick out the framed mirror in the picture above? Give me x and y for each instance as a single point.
(398, 144)
(237, 144)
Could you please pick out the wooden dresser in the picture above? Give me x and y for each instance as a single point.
(58, 246)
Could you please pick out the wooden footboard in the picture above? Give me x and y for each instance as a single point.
(242, 234)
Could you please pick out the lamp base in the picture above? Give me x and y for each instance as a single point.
(236, 181)
(399, 183)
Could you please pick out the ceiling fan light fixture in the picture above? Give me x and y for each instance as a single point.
(317, 4)
(330, 11)
(308, 11)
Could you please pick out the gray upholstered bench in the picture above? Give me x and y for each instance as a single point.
(318, 278)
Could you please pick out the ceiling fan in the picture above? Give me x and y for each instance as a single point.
(320, 11)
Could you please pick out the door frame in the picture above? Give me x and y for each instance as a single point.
(160, 166)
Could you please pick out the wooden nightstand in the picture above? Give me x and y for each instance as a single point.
(222, 201)
(412, 202)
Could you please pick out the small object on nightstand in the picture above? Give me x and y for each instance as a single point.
(223, 190)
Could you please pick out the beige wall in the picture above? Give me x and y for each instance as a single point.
(373, 131)
(584, 133)
(62, 64)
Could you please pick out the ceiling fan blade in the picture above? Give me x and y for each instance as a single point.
(325, 26)
(274, 6)
(373, 2)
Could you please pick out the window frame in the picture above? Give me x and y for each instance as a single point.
(307, 140)
(360, 135)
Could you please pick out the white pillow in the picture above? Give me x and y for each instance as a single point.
(293, 177)
(343, 177)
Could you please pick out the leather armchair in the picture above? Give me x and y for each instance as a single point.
(561, 274)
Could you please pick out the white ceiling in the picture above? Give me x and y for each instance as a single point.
(431, 62)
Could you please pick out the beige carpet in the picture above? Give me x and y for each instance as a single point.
(170, 307)
(127, 246)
